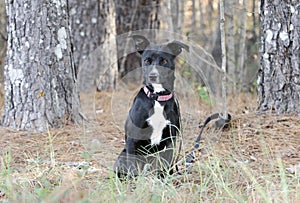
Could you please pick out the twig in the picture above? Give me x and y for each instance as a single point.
(222, 29)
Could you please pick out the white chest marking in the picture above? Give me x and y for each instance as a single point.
(158, 88)
(158, 123)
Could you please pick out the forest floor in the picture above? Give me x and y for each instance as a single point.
(256, 159)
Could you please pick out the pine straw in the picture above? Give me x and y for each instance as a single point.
(82, 156)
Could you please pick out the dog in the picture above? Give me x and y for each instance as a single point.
(153, 121)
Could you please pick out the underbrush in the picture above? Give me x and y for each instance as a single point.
(216, 177)
(255, 160)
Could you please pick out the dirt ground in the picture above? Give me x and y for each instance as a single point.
(96, 144)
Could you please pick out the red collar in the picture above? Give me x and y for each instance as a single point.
(157, 97)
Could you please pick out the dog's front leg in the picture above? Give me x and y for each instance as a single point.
(135, 160)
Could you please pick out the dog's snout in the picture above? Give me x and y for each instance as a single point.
(153, 76)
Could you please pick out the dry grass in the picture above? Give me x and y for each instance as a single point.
(255, 160)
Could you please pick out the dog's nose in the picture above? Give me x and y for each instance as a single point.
(153, 76)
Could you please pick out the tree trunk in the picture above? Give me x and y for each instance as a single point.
(175, 14)
(279, 74)
(131, 16)
(241, 69)
(203, 36)
(229, 9)
(40, 79)
(3, 41)
(217, 48)
(194, 21)
(136, 15)
(95, 49)
(94, 38)
(172, 19)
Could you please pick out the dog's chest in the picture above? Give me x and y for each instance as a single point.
(158, 122)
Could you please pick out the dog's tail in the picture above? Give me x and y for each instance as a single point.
(221, 122)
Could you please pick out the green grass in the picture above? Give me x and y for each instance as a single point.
(215, 179)
(224, 173)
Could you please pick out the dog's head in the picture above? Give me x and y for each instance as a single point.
(158, 64)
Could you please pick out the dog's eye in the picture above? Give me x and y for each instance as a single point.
(164, 62)
(147, 61)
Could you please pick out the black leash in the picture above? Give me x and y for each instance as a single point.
(189, 159)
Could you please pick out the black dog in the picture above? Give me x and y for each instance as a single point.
(154, 118)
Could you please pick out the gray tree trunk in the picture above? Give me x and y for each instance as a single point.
(174, 15)
(217, 48)
(3, 41)
(95, 49)
(279, 74)
(94, 39)
(203, 36)
(40, 79)
(229, 9)
(131, 16)
(136, 15)
(241, 68)
(194, 20)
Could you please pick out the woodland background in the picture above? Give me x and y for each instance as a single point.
(256, 159)
(199, 20)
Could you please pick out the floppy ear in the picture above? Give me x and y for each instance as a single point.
(141, 42)
(176, 47)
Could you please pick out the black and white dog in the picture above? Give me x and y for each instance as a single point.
(154, 118)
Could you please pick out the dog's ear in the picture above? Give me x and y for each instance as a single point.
(176, 47)
(141, 42)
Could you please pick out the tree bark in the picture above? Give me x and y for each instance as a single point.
(136, 15)
(194, 20)
(174, 13)
(217, 48)
(203, 37)
(3, 40)
(95, 49)
(131, 16)
(279, 74)
(40, 78)
(94, 38)
(241, 69)
(230, 45)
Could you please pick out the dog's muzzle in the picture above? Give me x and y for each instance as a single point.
(159, 75)
(153, 77)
